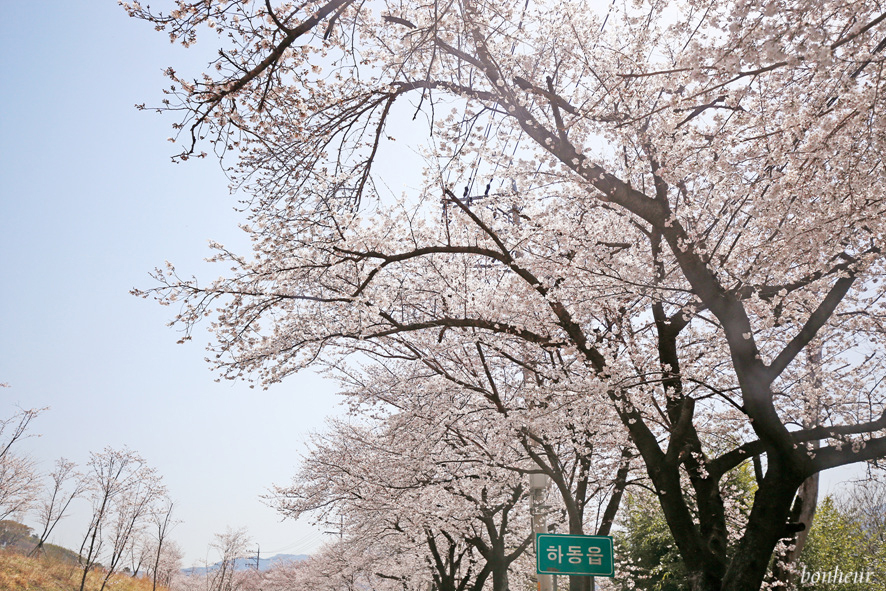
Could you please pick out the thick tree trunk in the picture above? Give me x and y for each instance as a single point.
(499, 570)
(480, 580)
(803, 513)
(576, 528)
(767, 524)
(809, 494)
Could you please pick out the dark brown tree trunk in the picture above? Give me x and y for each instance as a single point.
(576, 528)
(803, 513)
(499, 568)
(767, 524)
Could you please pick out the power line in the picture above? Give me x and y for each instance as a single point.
(305, 541)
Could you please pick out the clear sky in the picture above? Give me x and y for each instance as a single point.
(89, 204)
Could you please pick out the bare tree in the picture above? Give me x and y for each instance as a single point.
(162, 522)
(140, 552)
(123, 491)
(132, 513)
(67, 484)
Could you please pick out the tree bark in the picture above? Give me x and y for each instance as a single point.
(766, 526)
(803, 513)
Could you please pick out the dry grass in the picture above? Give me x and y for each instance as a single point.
(20, 573)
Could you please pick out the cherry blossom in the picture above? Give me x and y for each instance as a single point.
(661, 210)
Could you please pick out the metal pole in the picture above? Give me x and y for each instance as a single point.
(538, 483)
(552, 529)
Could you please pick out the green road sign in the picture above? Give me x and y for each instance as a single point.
(558, 554)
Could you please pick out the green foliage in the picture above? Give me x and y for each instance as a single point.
(844, 540)
(15, 535)
(648, 555)
(18, 538)
(841, 544)
(60, 554)
(645, 548)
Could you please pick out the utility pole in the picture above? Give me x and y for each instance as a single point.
(538, 484)
(341, 528)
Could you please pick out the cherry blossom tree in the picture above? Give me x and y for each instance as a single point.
(659, 207)
(436, 477)
(425, 509)
(20, 485)
(19, 479)
(67, 485)
(168, 569)
(575, 444)
(231, 547)
(123, 490)
(162, 523)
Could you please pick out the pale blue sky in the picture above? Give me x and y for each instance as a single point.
(89, 204)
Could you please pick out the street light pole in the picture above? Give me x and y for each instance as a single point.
(538, 484)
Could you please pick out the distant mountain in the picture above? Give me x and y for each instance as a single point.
(248, 563)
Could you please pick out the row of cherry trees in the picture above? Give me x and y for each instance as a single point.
(130, 517)
(130, 511)
(657, 225)
(430, 485)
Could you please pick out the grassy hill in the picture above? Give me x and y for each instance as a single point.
(55, 569)
(21, 573)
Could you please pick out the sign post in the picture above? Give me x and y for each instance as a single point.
(561, 554)
(538, 484)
